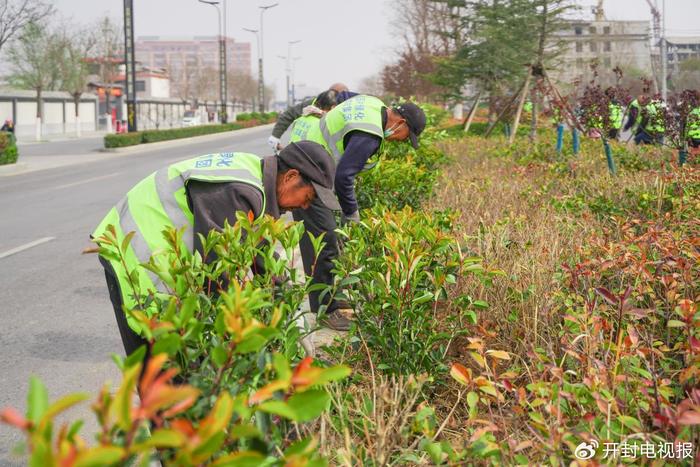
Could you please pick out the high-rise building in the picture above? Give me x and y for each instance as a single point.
(626, 44)
(181, 56)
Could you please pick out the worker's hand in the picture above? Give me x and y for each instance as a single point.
(347, 219)
(274, 143)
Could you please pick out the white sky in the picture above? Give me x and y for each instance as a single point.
(342, 40)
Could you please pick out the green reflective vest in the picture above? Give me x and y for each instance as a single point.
(655, 124)
(159, 201)
(693, 124)
(359, 113)
(615, 115)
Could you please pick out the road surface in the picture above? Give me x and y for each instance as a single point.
(58, 323)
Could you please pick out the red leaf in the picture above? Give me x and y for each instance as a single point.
(14, 418)
(607, 295)
(251, 216)
(691, 417)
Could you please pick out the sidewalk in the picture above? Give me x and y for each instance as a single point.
(55, 138)
(33, 163)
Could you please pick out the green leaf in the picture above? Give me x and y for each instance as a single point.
(219, 355)
(65, 403)
(674, 323)
(280, 408)
(244, 431)
(37, 400)
(251, 343)
(240, 459)
(100, 456)
(168, 344)
(426, 297)
(630, 422)
(281, 366)
(472, 399)
(334, 373)
(127, 240)
(162, 438)
(308, 405)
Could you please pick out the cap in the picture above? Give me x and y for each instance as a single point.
(415, 118)
(316, 164)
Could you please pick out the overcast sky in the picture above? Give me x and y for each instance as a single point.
(341, 40)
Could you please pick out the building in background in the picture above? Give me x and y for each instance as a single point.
(681, 49)
(186, 59)
(626, 44)
(150, 82)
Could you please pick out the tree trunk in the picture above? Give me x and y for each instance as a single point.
(472, 112)
(535, 98)
(521, 103)
(39, 113)
(76, 103)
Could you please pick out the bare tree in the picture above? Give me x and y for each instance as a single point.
(76, 45)
(35, 61)
(242, 87)
(108, 50)
(16, 14)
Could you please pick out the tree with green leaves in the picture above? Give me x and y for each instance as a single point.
(506, 40)
(35, 62)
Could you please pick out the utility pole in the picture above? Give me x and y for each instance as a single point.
(261, 79)
(130, 66)
(664, 56)
(222, 60)
(288, 58)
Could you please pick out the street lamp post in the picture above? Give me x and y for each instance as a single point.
(261, 79)
(290, 100)
(293, 61)
(222, 59)
(257, 41)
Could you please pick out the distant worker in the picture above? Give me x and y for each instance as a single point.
(8, 126)
(286, 118)
(201, 194)
(653, 122)
(615, 114)
(693, 128)
(351, 132)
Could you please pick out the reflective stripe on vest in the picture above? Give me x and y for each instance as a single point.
(159, 202)
(361, 113)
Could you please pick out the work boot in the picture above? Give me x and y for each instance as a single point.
(338, 320)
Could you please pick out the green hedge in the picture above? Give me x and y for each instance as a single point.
(260, 117)
(8, 148)
(152, 136)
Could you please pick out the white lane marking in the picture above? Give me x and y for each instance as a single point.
(26, 246)
(87, 180)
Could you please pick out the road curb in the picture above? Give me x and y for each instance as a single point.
(13, 169)
(176, 142)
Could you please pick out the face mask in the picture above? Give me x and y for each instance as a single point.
(390, 131)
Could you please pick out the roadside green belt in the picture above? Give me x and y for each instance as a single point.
(153, 136)
(8, 148)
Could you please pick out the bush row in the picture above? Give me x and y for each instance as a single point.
(261, 117)
(8, 148)
(152, 136)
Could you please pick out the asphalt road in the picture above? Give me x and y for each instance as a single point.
(57, 321)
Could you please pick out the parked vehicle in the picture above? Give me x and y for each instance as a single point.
(191, 118)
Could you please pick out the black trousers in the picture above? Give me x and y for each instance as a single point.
(130, 339)
(319, 219)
